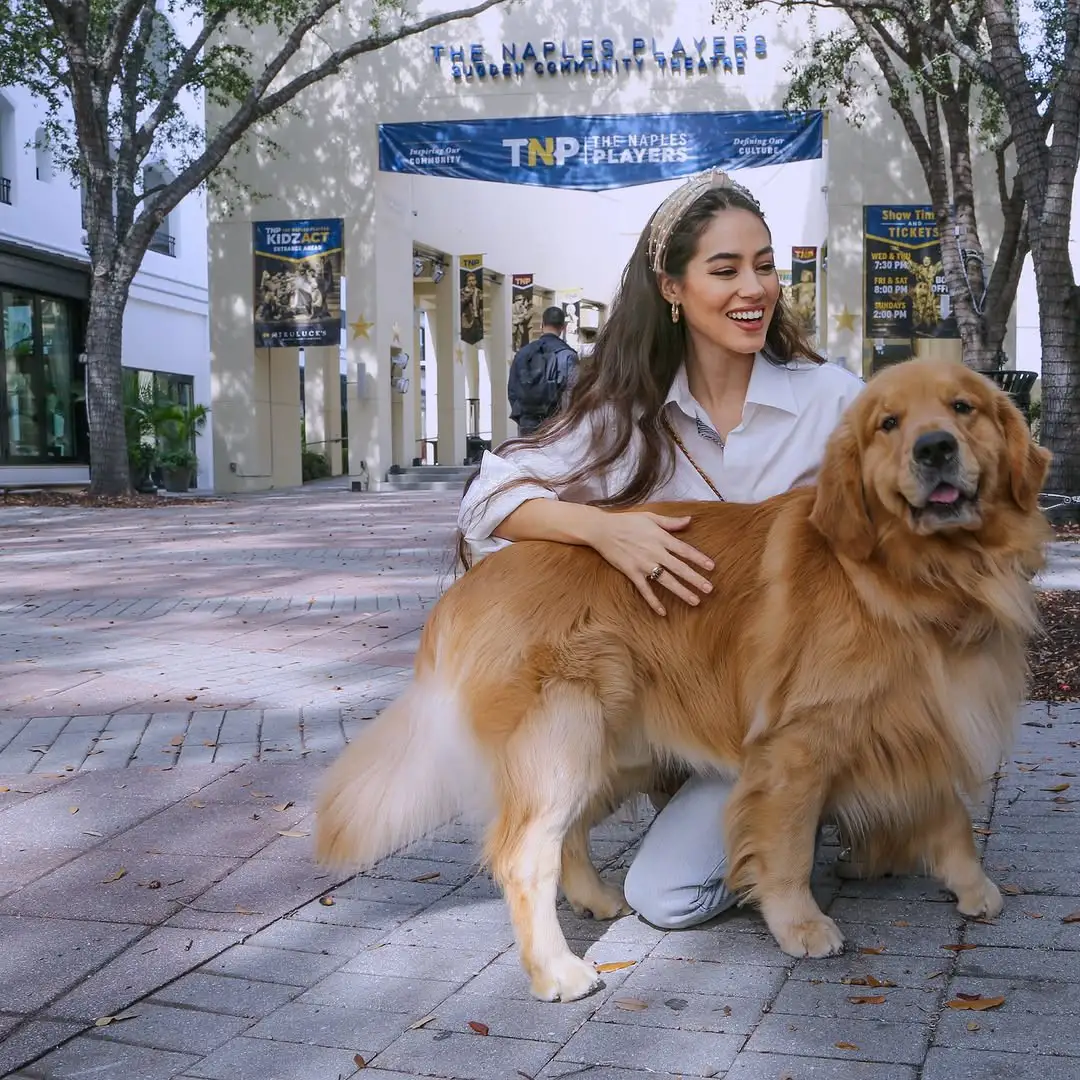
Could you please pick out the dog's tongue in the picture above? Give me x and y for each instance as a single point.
(944, 493)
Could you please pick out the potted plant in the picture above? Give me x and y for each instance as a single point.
(178, 468)
(176, 428)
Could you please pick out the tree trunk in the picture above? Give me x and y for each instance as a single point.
(109, 472)
(1059, 320)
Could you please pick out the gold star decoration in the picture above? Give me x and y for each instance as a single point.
(459, 354)
(360, 328)
(846, 320)
(395, 334)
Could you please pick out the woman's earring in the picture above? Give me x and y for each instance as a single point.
(675, 311)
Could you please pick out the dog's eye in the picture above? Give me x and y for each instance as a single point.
(962, 407)
(890, 423)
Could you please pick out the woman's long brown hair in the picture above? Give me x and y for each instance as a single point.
(634, 362)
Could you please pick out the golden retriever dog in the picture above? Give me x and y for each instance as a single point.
(861, 659)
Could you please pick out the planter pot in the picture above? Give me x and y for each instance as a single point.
(177, 481)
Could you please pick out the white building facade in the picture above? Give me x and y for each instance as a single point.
(44, 291)
(461, 151)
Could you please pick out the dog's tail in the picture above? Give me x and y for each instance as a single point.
(412, 769)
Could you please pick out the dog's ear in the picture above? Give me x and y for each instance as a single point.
(840, 512)
(1028, 461)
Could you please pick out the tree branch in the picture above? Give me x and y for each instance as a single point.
(115, 45)
(258, 104)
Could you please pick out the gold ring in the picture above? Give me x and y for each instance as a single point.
(655, 573)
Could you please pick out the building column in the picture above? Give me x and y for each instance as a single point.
(498, 355)
(450, 351)
(255, 392)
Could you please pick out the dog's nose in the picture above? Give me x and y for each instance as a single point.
(935, 448)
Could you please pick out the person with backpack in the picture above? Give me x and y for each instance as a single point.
(541, 374)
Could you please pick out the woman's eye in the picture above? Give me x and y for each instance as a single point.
(767, 268)
(890, 423)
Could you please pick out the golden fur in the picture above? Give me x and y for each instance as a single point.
(861, 657)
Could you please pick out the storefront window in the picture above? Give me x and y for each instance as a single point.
(41, 394)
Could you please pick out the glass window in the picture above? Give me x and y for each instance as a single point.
(20, 369)
(43, 399)
(56, 352)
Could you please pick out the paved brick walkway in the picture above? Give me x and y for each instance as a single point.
(175, 683)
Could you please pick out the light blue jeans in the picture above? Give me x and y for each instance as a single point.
(677, 877)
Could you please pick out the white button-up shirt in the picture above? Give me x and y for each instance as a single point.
(789, 413)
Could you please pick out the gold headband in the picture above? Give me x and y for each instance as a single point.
(675, 206)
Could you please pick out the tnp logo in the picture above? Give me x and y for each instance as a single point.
(550, 151)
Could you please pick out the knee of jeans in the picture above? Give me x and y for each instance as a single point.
(661, 907)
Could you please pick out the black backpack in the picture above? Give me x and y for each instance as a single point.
(538, 378)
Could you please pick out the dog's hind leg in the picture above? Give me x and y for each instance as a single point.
(588, 894)
(551, 771)
(771, 823)
(950, 855)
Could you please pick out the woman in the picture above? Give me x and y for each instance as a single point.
(701, 385)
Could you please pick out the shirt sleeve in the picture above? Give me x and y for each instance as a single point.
(541, 468)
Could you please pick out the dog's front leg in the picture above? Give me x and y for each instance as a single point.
(771, 822)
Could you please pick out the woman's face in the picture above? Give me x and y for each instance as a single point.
(730, 288)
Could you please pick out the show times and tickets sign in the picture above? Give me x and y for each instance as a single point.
(906, 293)
(598, 56)
(298, 268)
(594, 153)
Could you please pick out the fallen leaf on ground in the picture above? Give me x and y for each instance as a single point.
(869, 950)
(1011, 890)
(845, 1046)
(326, 901)
(73, 809)
(615, 965)
(198, 805)
(105, 1021)
(281, 807)
(359, 1062)
(877, 999)
(975, 1002)
(959, 948)
(982, 832)
(428, 877)
(114, 877)
(1058, 787)
(177, 740)
(480, 1029)
(207, 742)
(631, 1004)
(245, 911)
(1073, 916)
(420, 1023)
(260, 794)
(901, 922)
(972, 1026)
(290, 832)
(866, 980)
(90, 832)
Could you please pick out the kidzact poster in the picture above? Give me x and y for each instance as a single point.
(298, 268)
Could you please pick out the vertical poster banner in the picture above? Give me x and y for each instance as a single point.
(905, 291)
(570, 301)
(471, 279)
(804, 288)
(521, 311)
(298, 268)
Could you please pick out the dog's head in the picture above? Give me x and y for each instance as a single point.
(930, 447)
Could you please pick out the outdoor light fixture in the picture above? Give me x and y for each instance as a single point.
(417, 267)
(400, 385)
(438, 272)
(399, 361)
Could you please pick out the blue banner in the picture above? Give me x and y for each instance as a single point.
(298, 268)
(594, 153)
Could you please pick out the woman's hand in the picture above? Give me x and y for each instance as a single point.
(637, 542)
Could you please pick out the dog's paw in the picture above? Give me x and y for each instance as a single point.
(818, 936)
(605, 902)
(566, 978)
(983, 899)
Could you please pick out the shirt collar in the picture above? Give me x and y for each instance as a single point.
(770, 385)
